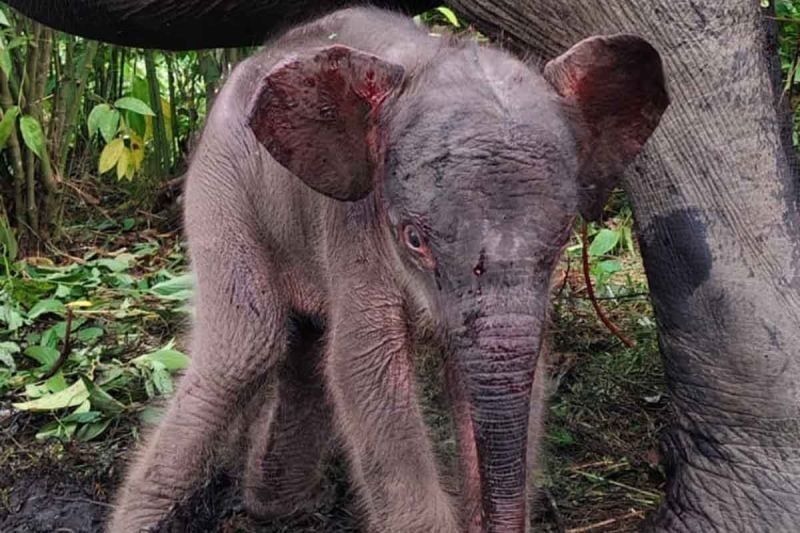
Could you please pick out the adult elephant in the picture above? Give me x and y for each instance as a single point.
(715, 195)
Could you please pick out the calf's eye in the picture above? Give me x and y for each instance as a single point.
(412, 238)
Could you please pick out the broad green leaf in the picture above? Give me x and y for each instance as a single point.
(603, 242)
(171, 359)
(100, 399)
(7, 125)
(6, 63)
(72, 396)
(12, 318)
(114, 265)
(45, 355)
(161, 378)
(47, 306)
(611, 266)
(56, 383)
(177, 288)
(449, 15)
(88, 335)
(134, 104)
(110, 155)
(105, 120)
(33, 135)
(7, 351)
(4, 19)
(93, 430)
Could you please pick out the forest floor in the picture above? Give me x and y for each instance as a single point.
(113, 301)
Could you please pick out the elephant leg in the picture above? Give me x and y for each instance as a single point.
(238, 337)
(291, 437)
(370, 378)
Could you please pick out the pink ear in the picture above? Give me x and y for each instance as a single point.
(316, 115)
(614, 86)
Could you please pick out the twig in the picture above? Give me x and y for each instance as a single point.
(65, 350)
(601, 479)
(604, 523)
(553, 507)
(84, 500)
(590, 290)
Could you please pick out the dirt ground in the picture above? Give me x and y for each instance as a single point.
(601, 471)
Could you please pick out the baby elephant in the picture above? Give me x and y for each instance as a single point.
(364, 190)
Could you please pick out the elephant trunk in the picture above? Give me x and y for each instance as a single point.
(496, 358)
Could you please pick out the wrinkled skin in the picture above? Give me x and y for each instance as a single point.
(342, 213)
(715, 197)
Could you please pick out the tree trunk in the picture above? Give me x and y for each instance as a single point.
(714, 195)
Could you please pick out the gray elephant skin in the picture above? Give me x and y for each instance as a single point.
(344, 210)
(715, 195)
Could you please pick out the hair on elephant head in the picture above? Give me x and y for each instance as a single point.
(403, 189)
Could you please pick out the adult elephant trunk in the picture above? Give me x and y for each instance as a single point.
(185, 24)
(495, 357)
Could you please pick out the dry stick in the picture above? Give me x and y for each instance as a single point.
(604, 523)
(65, 350)
(592, 297)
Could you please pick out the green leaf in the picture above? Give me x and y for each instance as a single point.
(100, 399)
(92, 431)
(603, 242)
(45, 355)
(47, 306)
(7, 351)
(4, 19)
(89, 334)
(57, 430)
(11, 317)
(161, 379)
(114, 265)
(134, 104)
(449, 15)
(72, 396)
(6, 63)
(171, 359)
(611, 266)
(7, 125)
(105, 120)
(33, 135)
(178, 288)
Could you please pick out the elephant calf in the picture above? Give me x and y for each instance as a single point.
(362, 190)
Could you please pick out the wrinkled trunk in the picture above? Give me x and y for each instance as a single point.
(495, 358)
(184, 24)
(714, 196)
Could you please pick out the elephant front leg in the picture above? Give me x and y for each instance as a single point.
(371, 381)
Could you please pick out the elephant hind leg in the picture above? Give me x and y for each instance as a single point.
(291, 437)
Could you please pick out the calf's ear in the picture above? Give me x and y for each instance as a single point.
(614, 92)
(316, 115)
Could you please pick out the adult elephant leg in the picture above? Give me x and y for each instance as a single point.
(714, 195)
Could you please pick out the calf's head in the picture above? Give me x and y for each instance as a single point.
(477, 164)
